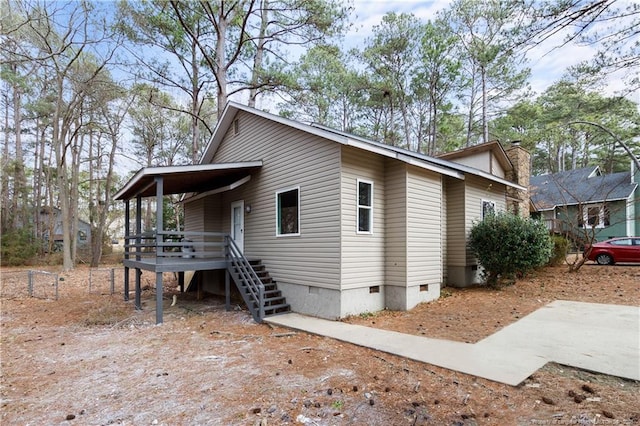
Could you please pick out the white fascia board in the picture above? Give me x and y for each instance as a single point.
(219, 131)
(368, 147)
(585, 203)
(232, 108)
(428, 166)
(404, 158)
(499, 180)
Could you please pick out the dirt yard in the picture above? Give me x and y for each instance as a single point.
(87, 358)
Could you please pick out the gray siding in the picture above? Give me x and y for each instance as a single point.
(444, 224)
(362, 257)
(203, 215)
(396, 224)
(464, 206)
(424, 250)
(477, 190)
(290, 158)
(456, 229)
(194, 216)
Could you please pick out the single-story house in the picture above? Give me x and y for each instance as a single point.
(343, 224)
(585, 199)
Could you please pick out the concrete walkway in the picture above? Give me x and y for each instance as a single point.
(595, 337)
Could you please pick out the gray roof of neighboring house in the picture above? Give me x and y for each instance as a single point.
(585, 185)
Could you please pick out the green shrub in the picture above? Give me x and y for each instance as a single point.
(509, 246)
(17, 247)
(560, 249)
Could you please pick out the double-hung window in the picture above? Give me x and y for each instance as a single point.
(365, 207)
(288, 212)
(488, 209)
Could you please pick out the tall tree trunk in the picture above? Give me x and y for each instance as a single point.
(485, 121)
(259, 55)
(95, 166)
(472, 101)
(195, 103)
(36, 185)
(59, 143)
(221, 66)
(19, 204)
(76, 152)
(4, 213)
(405, 121)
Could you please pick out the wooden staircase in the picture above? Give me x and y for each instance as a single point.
(273, 301)
(257, 288)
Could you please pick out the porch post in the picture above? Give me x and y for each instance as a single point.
(138, 302)
(127, 218)
(158, 298)
(138, 226)
(138, 249)
(159, 248)
(227, 290)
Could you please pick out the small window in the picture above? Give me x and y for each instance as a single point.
(595, 216)
(365, 207)
(288, 212)
(82, 236)
(488, 209)
(236, 127)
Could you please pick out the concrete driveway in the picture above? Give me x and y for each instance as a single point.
(595, 337)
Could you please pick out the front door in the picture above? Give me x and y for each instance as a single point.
(237, 223)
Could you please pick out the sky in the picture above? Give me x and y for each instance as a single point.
(547, 62)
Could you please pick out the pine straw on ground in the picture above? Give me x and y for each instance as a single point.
(90, 358)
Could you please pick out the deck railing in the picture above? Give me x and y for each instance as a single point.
(201, 245)
(250, 285)
(175, 244)
(554, 225)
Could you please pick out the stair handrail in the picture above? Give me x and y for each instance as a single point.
(236, 259)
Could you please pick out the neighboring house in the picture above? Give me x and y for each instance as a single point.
(50, 219)
(586, 199)
(344, 225)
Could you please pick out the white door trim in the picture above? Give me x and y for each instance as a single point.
(237, 229)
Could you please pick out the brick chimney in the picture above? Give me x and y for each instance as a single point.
(517, 200)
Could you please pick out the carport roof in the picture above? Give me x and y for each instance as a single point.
(185, 179)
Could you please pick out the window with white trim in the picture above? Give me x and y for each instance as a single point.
(488, 208)
(595, 216)
(288, 212)
(365, 207)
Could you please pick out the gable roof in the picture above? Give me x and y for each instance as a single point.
(437, 165)
(585, 185)
(492, 146)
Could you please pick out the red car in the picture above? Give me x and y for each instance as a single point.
(609, 252)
